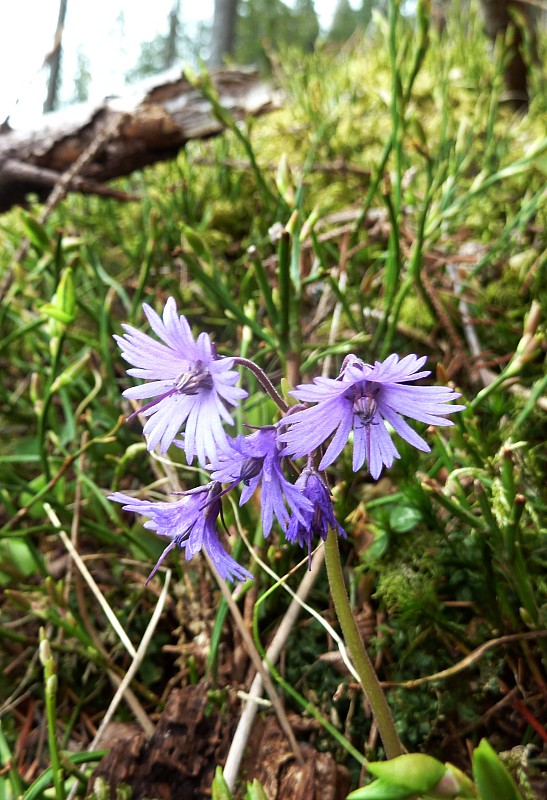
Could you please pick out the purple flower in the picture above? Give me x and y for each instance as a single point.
(361, 399)
(190, 384)
(190, 523)
(256, 460)
(319, 519)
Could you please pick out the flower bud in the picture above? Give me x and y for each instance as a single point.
(283, 181)
(417, 772)
(453, 783)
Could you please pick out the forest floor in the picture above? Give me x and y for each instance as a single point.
(394, 204)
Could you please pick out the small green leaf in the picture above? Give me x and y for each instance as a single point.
(67, 375)
(255, 791)
(220, 787)
(65, 296)
(196, 243)
(285, 389)
(403, 520)
(62, 307)
(18, 552)
(493, 779)
(37, 234)
(284, 182)
(56, 313)
(381, 790)
(380, 544)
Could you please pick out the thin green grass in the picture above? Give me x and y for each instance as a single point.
(387, 163)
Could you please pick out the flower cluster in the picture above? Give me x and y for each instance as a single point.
(192, 389)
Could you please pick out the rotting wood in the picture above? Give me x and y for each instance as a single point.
(159, 117)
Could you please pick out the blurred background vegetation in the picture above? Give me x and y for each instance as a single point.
(401, 188)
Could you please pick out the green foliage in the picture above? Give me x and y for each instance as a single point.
(344, 22)
(403, 189)
(82, 78)
(220, 790)
(416, 774)
(270, 26)
(173, 47)
(491, 776)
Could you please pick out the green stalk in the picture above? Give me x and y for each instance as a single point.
(8, 766)
(21, 331)
(486, 510)
(454, 508)
(361, 661)
(50, 676)
(284, 277)
(422, 15)
(397, 112)
(512, 370)
(204, 84)
(146, 265)
(538, 388)
(393, 308)
(36, 790)
(265, 289)
(46, 402)
(392, 273)
(372, 190)
(305, 705)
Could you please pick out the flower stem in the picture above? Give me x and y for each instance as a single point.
(263, 380)
(361, 661)
(50, 680)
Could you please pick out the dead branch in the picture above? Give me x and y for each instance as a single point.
(158, 118)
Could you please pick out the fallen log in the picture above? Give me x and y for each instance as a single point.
(149, 123)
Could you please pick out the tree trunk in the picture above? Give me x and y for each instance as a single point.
(171, 44)
(498, 16)
(54, 61)
(224, 30)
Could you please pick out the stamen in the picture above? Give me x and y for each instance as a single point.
(167, 550)
(250, 469)
(365, 404)
(191, 381)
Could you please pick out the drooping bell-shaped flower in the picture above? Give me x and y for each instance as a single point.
(191, 524)
(255, 460)
(319, 519)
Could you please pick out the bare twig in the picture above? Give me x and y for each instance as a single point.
(469, 660)
(245, 724)
(135, 664)
(131, 699)
(48, 177)
(257, 663)
(110, 615)
(131, 672)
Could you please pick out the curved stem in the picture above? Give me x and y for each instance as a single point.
(361, 661)
(264, 381)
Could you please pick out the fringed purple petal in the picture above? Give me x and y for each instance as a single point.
(198, 385)
(362, 397)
